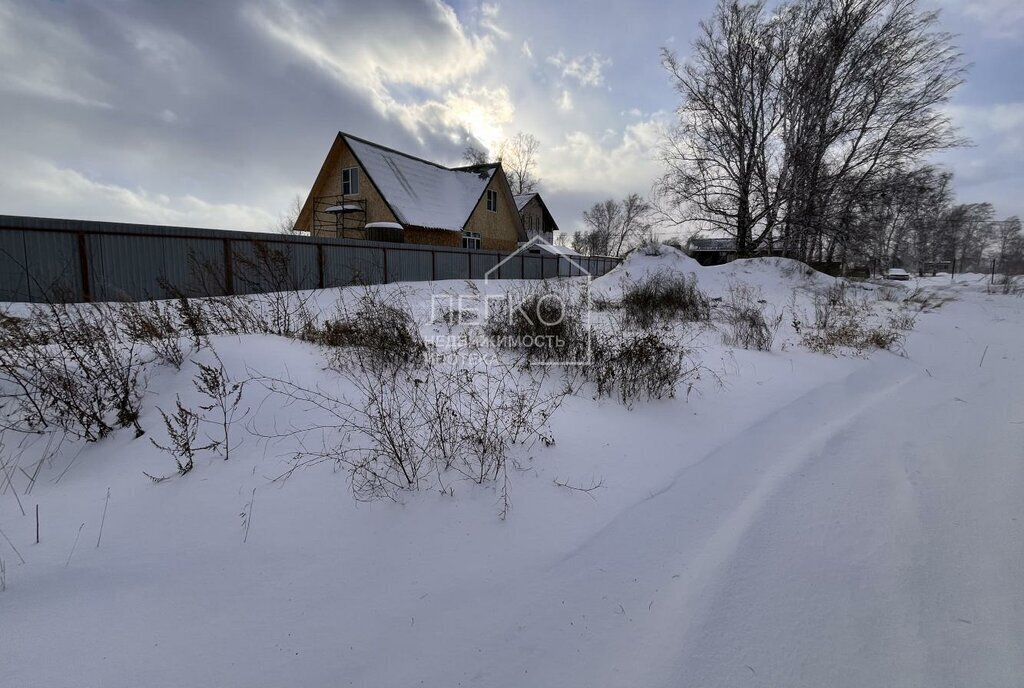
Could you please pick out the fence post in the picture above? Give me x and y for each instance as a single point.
(433, 265)
(229, 269)
(469, 265)
(83, 266)
(320, 264)
(385, 252)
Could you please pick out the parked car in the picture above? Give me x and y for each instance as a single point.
(897, 274)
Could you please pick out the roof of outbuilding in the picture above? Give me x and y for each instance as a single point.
(419, 192)
(523, 199)
(726, 244)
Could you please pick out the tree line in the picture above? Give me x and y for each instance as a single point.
(804, 130)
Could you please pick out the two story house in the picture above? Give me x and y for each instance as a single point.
(368, 191)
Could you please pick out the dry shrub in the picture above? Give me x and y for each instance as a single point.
(663, 296)
(409, 426)
(378, 325)
(748, 324)
(73, 368)
(543, 321)
(631, 366)
(841, 321)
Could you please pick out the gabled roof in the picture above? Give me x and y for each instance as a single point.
(523, 199)
(419, 192)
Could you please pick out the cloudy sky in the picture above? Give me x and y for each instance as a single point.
(218, 113)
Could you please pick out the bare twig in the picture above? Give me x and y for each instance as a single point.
(21, 558)
(74, 545)
(103, 519)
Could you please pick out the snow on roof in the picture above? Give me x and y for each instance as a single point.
(422, 193)
(383, 225)
(523, 199)
(712, 244)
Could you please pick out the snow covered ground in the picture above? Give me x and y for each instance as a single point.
(797, 519)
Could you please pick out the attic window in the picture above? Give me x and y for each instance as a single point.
(492, 200)
(471, 239)
(350, 181)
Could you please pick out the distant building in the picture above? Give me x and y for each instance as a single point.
(711, 251)
(537, 219)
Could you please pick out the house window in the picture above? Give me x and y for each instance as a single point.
(471, 240)
(350, 181)
(492, 200)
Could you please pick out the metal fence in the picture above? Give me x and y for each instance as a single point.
(44, 259)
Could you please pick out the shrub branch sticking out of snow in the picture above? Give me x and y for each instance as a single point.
(182, 430)
(663, 296)
(224, 397)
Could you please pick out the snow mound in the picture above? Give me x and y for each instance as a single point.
(639, 265)
(769, 274)
(775, 277)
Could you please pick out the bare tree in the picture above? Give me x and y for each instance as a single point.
(518, 156)
(615, 226)
(792, 121)
(719, 156)
(473, 155)
(1010, 246)
(863, 85)
(286, 222)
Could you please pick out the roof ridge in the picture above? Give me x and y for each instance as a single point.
(389, 149)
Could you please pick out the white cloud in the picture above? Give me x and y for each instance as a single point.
(59, 76)
(489, 20)
(982, 123)
(425, 47)
(34, 183)
(527, 50)
(1003, 18)
(615, 164)
(586, 69)
(483, 112)
(565, 101)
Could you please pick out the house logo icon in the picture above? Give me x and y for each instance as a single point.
(574, 299)
(539, 244)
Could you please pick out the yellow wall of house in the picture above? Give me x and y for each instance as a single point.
(499, 231)
(328, 183)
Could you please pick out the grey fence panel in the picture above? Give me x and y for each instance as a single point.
(482, 262)
(39, 266)
(533, 267)
(451, 265)
(196, 267)
(346, 265)
(135, 267)
(511, 268)
(13, 275)
(260, 267)
(74, 260)
(126, 268)
(409, 265)
(550, 266)
(56, 270)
